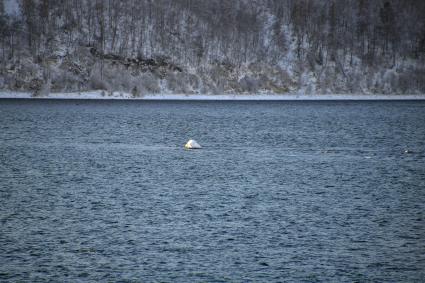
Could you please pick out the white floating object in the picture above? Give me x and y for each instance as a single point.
(192, 144)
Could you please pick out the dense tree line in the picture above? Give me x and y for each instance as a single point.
(198, 33)
(219, 29)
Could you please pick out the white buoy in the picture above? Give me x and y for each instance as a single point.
(192, 144)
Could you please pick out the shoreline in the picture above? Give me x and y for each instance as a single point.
(99, 95)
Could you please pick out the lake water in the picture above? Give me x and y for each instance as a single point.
(282, 191)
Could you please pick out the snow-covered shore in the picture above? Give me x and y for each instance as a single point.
(240, 97)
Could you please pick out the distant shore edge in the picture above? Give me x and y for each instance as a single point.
(102, 95)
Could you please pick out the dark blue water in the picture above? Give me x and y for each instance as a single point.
(281, 192)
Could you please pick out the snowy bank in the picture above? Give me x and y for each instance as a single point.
(101, 95)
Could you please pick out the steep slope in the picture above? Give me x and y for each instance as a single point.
(212, 47)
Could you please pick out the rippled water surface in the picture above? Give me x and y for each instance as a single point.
(282, 191)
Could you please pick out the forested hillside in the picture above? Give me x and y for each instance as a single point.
(213, 46)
